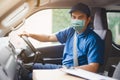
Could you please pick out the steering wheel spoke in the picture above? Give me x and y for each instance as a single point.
(37, 54)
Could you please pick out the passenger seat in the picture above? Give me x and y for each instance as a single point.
(101, 28)
(116, 73)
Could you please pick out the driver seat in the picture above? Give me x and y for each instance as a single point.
(101, 28)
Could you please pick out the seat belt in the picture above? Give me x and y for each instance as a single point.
(75, 56)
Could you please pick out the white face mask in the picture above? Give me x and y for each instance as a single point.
(77, 24)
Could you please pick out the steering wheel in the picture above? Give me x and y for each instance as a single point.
(37, 54)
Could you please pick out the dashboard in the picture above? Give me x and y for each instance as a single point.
(8, 57)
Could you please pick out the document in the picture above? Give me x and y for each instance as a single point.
(86, 74)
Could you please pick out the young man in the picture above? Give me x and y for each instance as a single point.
(89, 46)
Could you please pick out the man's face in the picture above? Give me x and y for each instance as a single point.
(81, 16)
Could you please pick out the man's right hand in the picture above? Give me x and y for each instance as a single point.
(24, 34)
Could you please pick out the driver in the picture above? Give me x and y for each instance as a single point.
(89, 46)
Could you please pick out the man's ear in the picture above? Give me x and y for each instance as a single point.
(89, 19)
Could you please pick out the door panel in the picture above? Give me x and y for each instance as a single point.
(52, 54)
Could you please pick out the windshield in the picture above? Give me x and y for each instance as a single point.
(43, 22)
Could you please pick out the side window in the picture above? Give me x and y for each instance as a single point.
(61, 19)
(46, 22)
(114, 26)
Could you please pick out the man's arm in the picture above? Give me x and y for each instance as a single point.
(93, 67)
(41, 37)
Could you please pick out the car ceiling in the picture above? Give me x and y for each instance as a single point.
(91, 3)
(9, 6)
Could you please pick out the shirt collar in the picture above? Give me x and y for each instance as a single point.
(83, 34)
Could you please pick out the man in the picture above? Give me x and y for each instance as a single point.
(89, 46)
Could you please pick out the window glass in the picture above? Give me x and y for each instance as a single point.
(114, 25)
(61, 19)
(45, 22)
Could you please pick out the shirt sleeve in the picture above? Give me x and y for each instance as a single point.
(96, 51)
(63, 35)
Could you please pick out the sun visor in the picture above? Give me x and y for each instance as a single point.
(16, 15)
(42, 2)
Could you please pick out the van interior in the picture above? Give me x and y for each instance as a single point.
(17, 54)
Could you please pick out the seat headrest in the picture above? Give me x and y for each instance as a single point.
(100, 19)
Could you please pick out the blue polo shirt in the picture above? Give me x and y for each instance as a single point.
(90, 47)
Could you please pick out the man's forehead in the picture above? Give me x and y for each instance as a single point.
(78, 13)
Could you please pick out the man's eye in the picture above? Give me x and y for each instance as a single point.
(80, 17)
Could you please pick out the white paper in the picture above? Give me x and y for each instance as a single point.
(86, 74)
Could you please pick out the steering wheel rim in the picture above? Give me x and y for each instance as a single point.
(36, 53)
(25, 38)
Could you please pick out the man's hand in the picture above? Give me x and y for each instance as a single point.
(25, 34)
(93, 67)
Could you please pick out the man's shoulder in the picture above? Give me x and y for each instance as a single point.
(94, 36)
(68, 30)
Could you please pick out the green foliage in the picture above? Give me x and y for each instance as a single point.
(113, 22)
(61, 19)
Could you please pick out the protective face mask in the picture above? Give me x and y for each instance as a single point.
(77, 24)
